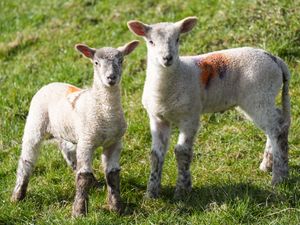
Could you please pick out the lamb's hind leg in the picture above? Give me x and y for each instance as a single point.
(279, 142)
(267, 162)
(270, 120)
(184, 155)
(160, 131)
(34, 132)
(68, 151)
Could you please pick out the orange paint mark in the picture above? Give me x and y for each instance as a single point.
(72, 89)
(211, 66)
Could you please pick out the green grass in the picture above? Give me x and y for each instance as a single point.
(37, 47)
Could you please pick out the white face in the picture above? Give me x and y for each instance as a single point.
(107, 61)
(163, 43)
(163, 38)
(109, 70)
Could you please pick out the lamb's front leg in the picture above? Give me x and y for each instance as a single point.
(84, 178)
(68, 151)
(184, 155)
(111, 166)
(160, 131)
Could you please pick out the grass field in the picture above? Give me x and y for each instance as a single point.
(37, 47)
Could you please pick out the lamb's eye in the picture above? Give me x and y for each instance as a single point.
(151, 42)
(96, 63)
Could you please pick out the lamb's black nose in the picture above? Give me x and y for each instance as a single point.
(168, 60)
(112, 77)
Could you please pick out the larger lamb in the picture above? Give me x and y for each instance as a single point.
(179, 89)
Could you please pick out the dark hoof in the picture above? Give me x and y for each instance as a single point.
(17, 196)
(79, 208)
(19, 193)
(117, 208)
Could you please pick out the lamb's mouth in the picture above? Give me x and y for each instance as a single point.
(112, 82)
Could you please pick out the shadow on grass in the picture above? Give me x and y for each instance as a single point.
(205, 197)
(294, 177)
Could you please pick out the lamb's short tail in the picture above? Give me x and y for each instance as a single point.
(285, 98)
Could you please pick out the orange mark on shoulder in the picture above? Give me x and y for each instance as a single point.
(72, 89)
(211, 66)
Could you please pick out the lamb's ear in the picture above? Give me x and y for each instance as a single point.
(138, 27)
(187, 24)
(129, 47)
(85, 50)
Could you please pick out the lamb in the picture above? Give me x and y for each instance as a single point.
(81, 121)
(178, 90)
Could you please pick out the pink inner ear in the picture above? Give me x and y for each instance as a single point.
(85, 50)
(137, 28)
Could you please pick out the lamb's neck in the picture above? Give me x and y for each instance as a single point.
(161, 77)
(106, 96)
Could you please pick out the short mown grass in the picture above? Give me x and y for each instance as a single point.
(37, 47)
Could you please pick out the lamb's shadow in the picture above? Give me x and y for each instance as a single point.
(294, 177)
(206, 197)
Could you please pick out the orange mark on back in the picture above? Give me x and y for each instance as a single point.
(211, 66)
(72, 89)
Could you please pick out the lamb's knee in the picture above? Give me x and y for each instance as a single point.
(113, 178)
(157, 159)
(184, 156)
(35, 128)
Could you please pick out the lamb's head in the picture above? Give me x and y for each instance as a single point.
(107, 61)
(162, 38)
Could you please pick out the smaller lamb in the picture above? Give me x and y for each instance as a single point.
(178, 89)
(81, 121)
